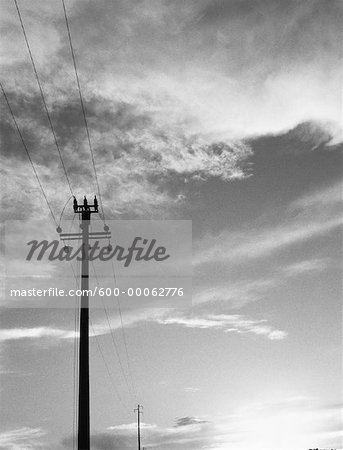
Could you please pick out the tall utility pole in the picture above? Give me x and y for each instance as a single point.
(85, 211)
(139, 412)
(84, 415)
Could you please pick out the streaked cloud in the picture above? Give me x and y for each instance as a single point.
(24, 438)
(191, 389)
(304, 219)
(319, 199)
(223, 322)
(305, 267)
(228, 323)
(237, 293)
(256, 244)
(11, 334)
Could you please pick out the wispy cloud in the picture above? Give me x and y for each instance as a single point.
(257, 244)
(136, 156)
(249, 290)
(237, 293)
(319, 199)
(305, 267)
(24, 438)
(228, 323)
(223, 322)
(191, 389)
(314, 216)
(11, 334)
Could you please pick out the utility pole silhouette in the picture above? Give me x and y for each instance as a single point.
(139, 412)
(85, 211)
(84, 411)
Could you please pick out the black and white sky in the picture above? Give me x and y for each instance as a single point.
(224, 112)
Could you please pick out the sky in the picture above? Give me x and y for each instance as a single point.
(225, 113)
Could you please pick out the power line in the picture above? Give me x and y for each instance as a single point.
(28, 153)
(42, 94)
(82, 105)
(77, 319)
(124, 335)
(112, 335)
(75, 348)
(64, 207)
(106, 365)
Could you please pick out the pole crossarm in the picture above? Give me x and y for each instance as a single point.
(77, 236)
(77, 239)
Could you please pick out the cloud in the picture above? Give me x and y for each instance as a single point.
(238, 293)
(191, 389)
(178, 100)
(186, 421)
(257, 244)
(24, 438)
(135, 155)
(311, 135)
(304, 267)
(204, 320)
(188, 432)
(11, 334)
(305, 137)
(227, 323)
(308, 217)
(235, 68)
(259, 287)
(319, 200)
(98, 328)
(283, 423)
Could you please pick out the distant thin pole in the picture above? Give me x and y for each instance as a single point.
(139, 412)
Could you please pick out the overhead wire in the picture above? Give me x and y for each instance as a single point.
(106, 365)
(75, 346)
(76, 356)
(112, 337)
(124, 335)
(63, 209)
(42, 94)
(28, 153)
(77, 302)
(76, 318)
(83, 107)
